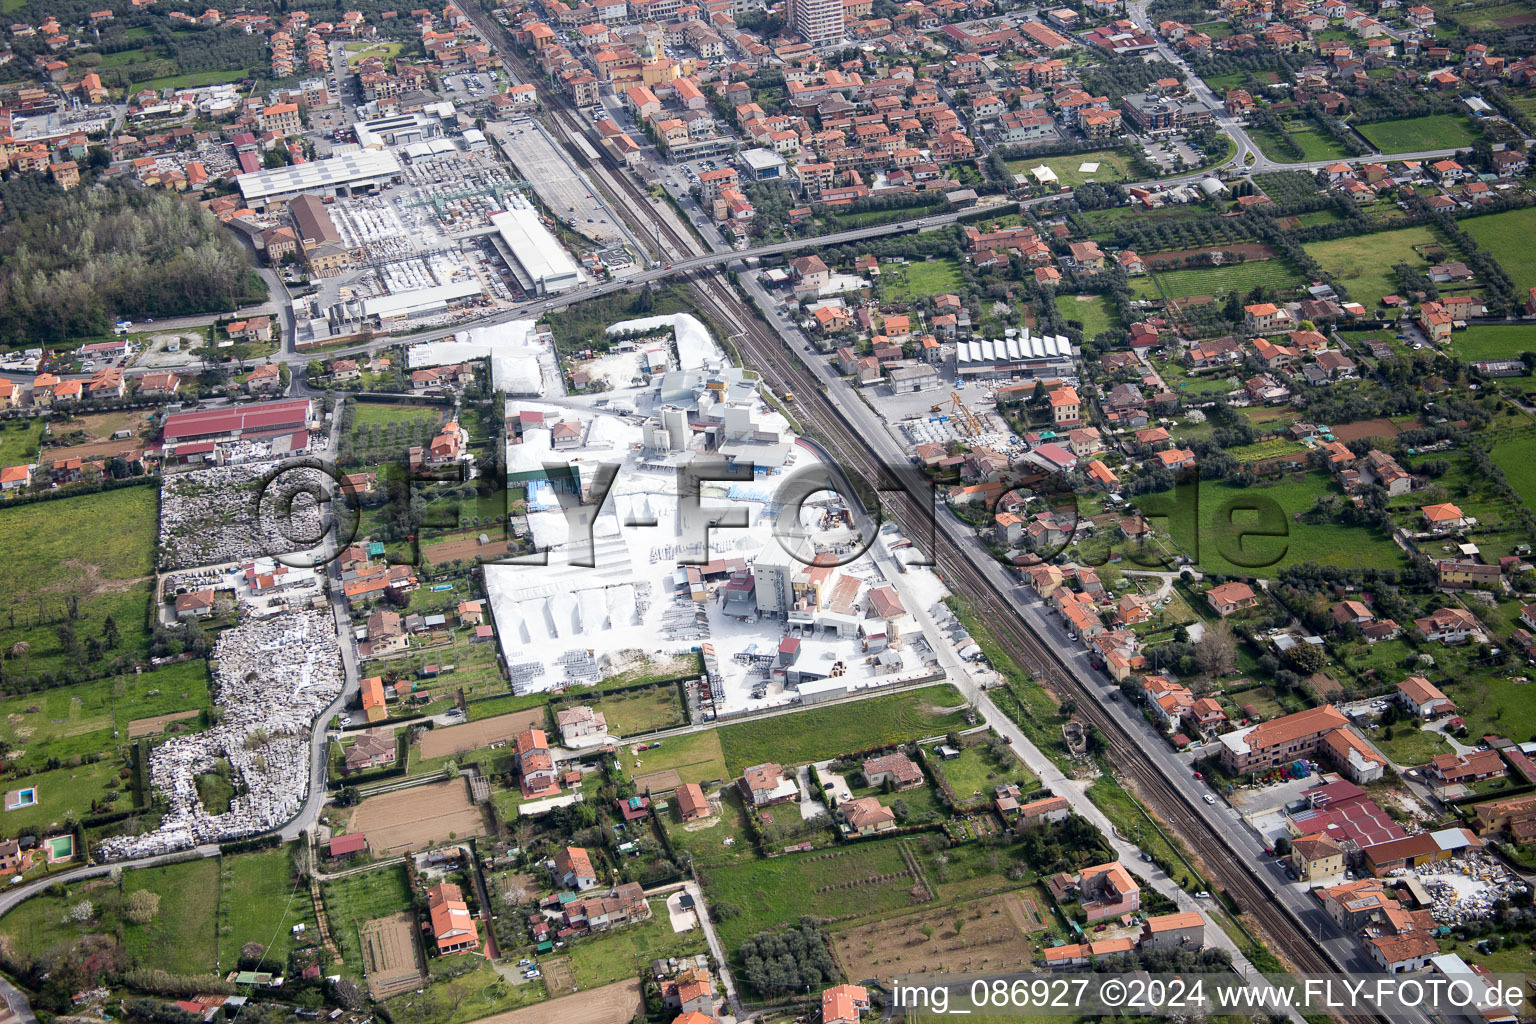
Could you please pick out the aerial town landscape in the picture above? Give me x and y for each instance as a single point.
(693, 513)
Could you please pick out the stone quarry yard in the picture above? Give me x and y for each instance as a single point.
(417, 817)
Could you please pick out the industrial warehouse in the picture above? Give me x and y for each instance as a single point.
(418, 225)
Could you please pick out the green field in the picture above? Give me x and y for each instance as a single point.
(123, 58)
(1410, 747)
(1315, 145)
(358, 52)
(820, 733)
(1515, 454)
(636, 712)
(194, 80)
(1507, 238)
(707, 844)
(696, 756)
(1415, 134)
(975, 775)
(19, 441)
(1221, 522)
(97, 549)
(352, 901)
(919, 280)
(368, 414)
(79, 719)
(1216, 281)
(769, 893)
(1493, 341)
(1094, 312)
(180, 940)
(260, 900)
(1363, 263)
(69, 789)
(1113, 166)
(624, 953)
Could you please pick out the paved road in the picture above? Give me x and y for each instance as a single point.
(716, 947)
(1036, 616)
(319, 740)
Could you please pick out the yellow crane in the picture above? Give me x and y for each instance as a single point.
(960, 409)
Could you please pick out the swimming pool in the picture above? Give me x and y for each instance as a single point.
(60, 848)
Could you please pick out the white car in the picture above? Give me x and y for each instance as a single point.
(1209, 799)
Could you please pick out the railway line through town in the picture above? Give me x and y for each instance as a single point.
(762, 348)
(765, 351)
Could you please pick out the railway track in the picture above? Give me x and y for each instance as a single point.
(767, 353)
(781, 369)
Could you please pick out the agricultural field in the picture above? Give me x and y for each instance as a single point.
(847, 881)
(180, 939)
(1515, 454)
(1507, 238)
(623, 952)
(1113, 166)
(1221, 524)
(820, 733)
(1413, 134)
(1216, 282)
(417, 817)
(1497, 17)
(355, 899)
(1094, 312)
(94, 553)
(999, 934)
(1270, 448)
(1363, 263)
(919, 279)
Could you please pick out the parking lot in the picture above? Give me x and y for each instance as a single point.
(553, 177)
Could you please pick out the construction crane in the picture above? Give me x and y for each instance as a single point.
(960, 409)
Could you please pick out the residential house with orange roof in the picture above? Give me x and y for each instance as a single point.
(842, 1004)
(1107, 890)
(453, 927)
(535, 764)
(572, 869)
(373, 699)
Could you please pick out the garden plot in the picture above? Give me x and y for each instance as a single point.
(411, 819)
(995, 938)
(233, 513)
(273, 678)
